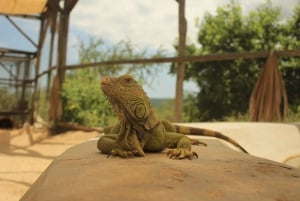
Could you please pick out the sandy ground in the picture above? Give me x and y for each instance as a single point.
(25, 155)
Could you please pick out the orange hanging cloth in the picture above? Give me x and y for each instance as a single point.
(268, 101)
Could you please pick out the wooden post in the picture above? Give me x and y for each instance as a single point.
(36, 72)
(63, 25)
(180, 65)
(17, 88)
(25, 78)
(49, 76)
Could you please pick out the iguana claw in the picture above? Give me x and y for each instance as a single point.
(197, 142)
(181, 154)
(123, 153)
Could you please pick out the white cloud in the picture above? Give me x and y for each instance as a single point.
(146, 23)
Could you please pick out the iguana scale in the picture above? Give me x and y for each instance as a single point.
(139, 130)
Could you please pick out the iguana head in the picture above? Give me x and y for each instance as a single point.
(127, 97)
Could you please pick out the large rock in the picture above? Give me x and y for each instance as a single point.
(82, 173)
(275, 141)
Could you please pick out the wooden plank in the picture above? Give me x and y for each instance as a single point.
(14, 112)
(14, 51)
(199, 58)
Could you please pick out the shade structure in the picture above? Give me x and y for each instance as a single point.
(22, 7)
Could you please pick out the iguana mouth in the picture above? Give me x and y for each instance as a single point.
(105, 85)
(105, 81)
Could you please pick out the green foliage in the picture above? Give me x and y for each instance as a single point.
(163, 108)
(291, 74)
(226, 86)
(264, 28)
(292, 41)
(83, 101)
(293, 115)
(190, 107)
(291, 77)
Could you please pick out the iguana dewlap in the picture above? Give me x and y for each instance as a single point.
(139, 130)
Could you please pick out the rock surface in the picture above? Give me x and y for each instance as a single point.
(275, 141)
(82, 173)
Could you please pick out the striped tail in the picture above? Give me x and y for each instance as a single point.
(208, 133)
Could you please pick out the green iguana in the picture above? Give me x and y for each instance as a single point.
(140, 130)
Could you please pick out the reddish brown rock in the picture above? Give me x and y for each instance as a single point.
(82, 173)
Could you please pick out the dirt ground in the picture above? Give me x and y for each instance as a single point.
(25, 153)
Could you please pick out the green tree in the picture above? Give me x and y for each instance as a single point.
(226, 86)
(291, 73)
(292, 33)
(83, 101)
(165, 109)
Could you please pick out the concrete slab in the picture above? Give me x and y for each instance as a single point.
(220, 174)
(275, 141)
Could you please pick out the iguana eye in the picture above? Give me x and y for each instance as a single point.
(128, 79)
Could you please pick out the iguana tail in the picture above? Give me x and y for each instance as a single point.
(208, 133)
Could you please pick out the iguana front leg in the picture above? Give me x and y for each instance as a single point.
(180, 146)
(107, 144)
(125, 144)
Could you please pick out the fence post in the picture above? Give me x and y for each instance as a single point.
(181, 64)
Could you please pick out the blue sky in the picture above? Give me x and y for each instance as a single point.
(148, 25)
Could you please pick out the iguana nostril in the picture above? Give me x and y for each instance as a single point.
(105, 81)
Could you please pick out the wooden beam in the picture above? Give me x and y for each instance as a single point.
(4, 51)
(8, 71)
(34, 17)
(193, 59)
(21, 31)
(15, 84)
(14, 112)
(7, 79)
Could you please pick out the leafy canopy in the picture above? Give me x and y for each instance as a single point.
(226, 86)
